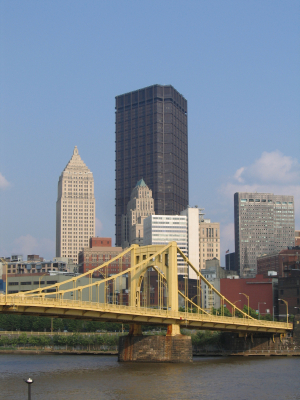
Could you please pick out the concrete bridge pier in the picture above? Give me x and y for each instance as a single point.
(173, 347)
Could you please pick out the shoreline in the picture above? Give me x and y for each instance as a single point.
(61, 352)
(275, 353)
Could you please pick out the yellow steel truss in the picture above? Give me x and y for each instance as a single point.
(163, 260)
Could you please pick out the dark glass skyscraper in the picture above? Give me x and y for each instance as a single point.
(152, 143)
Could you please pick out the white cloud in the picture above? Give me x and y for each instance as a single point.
(28, 244)
(3, 182)
(272, 173)
(273, 167)
(99, 227)
(238, 174)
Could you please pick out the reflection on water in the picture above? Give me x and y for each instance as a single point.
(102, 377)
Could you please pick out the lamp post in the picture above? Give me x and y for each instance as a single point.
(273, 312)
(298, 308)
(248, 302)
(287, 310)
(29, 382)
(260, 302)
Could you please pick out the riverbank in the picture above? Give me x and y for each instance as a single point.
(114, 352)
(59, 352)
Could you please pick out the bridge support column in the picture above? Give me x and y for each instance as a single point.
(135, 330)
(173, 330)
(174, 347)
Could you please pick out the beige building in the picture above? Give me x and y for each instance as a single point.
(75, 208)
(203, 239)
(140, 206)
(209, 241)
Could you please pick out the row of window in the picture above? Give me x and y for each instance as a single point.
(24, 283)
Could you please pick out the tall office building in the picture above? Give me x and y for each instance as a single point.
(152, 143)
(139, 207)
(264, 223)
(75, 208)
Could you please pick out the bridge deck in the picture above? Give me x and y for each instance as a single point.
(118, 313)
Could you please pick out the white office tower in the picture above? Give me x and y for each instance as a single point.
(75, 208)
(203, 239)
(162, 229)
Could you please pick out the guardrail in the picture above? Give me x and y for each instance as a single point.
(19, 300)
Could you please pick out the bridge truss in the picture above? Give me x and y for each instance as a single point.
(127, 296)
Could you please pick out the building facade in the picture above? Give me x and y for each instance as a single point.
(95, 255)
(213, 273)
(262, 293)
(163, 229)
(289, 290)
(203, 239)
(264, 223)
(152, 143)
(140, 206)
(297, 238)
(230, 262)
(75, 208)
(209, 242)
(280, 263)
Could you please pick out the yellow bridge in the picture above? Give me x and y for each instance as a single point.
(66, 299)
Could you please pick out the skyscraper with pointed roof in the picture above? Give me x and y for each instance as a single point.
(75, 208)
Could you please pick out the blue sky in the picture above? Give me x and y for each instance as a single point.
(63, 62)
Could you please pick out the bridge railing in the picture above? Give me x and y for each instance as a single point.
(124, 310)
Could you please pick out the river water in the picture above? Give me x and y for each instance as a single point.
(74, 377)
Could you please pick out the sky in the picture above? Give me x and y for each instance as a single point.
(63, 62)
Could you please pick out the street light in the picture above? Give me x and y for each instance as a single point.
(29, 382)
(260, 302)
(248, 302)
(298, 308)
(287, 310)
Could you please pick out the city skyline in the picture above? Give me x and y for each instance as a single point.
(59, 82)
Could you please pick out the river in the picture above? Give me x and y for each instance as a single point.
(74, 377)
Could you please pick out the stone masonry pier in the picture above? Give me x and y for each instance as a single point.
(173, 348)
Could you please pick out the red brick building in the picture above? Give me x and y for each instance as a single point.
(99, 252)
(259, 289)
(278, 262)
(100, 242)
(289, 290)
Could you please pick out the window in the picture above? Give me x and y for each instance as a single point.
(25, 283)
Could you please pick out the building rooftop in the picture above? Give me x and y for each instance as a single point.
(141, 182)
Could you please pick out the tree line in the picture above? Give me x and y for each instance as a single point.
(75, 340)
